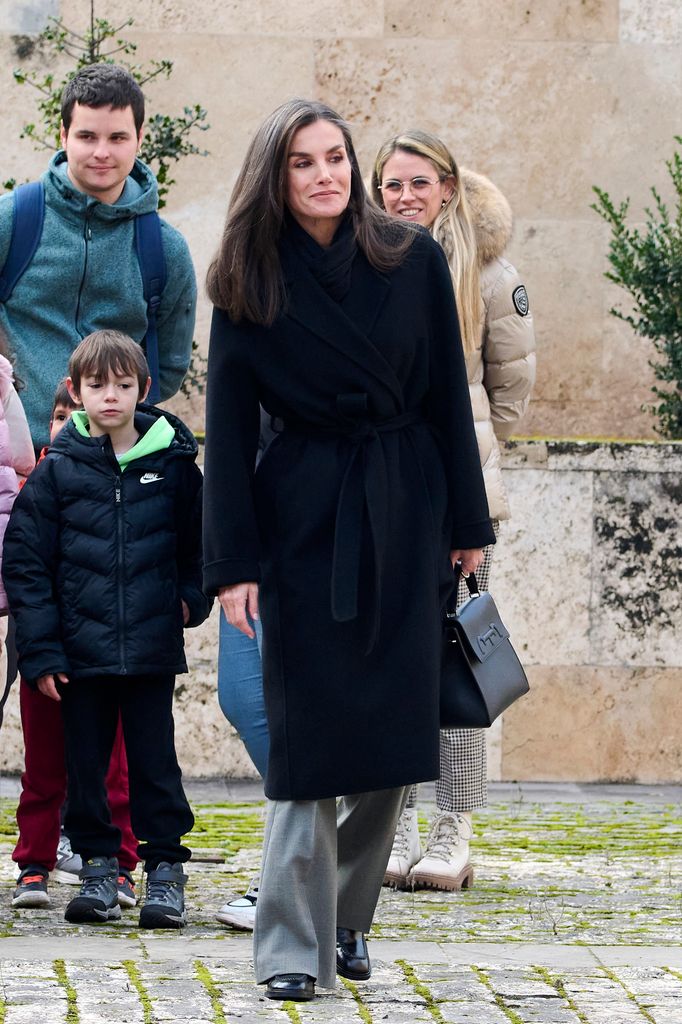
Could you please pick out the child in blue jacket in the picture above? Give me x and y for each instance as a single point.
(102, 566)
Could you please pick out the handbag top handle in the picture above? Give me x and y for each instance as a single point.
(472, 586)
(469, 578)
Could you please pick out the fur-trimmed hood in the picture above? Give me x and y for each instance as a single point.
(491, 214)
(501, 369)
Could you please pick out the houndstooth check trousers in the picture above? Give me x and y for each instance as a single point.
(463, 782)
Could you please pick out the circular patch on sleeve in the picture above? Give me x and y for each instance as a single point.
(520, 300)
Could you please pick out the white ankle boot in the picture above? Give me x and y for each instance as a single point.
(406, 850)
(445, 864)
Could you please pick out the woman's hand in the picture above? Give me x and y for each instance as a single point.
(471, 559)
(238, 600)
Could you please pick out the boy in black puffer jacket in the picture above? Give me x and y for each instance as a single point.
(102, 565)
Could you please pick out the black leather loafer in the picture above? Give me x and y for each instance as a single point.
(352, 956)
(300, 987)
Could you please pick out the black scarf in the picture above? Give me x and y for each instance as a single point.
(331, 267)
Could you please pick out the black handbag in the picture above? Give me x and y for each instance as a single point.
(480, 672)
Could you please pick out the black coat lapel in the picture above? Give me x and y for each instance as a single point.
(367, 295)
(345, 327)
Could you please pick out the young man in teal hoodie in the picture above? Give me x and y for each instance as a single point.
(85, 274)
(102, 566)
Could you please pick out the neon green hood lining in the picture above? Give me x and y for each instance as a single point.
(158, 437)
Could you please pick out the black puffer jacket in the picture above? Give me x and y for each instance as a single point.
(97, 560)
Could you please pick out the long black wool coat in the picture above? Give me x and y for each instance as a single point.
(348, 521)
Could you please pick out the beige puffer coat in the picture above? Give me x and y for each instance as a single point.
(501, 369)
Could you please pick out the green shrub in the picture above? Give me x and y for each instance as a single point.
(647, 263)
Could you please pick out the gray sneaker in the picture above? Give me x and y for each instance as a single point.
(98, 898)
(68, 865)
(31, 890)
(164, 901)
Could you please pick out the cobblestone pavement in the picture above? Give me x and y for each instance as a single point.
(575, 918)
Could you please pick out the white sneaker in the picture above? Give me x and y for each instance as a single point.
(446, 864)
(68, 864)
(406, 850)
(241, 911)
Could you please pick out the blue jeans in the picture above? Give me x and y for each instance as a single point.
(240, 689)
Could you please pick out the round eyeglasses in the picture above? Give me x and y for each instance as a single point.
(419, 186)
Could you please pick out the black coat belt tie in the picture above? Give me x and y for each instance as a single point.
(364, 486)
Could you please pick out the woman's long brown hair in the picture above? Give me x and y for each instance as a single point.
(245, 278)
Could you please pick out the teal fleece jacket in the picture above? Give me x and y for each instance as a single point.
(85, 276)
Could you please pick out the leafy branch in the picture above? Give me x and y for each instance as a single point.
(647, 263)
(167, 139)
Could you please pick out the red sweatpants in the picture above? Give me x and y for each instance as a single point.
(43, 785)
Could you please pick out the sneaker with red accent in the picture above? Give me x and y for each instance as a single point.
(31, 890)
(125, 884)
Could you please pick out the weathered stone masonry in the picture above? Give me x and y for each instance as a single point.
(587, 578)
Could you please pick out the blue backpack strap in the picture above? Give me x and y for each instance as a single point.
(152, 262)
(27, 228)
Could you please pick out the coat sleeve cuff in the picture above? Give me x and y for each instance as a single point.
(472, 535)
(31, 670)
(227, 571)
(198, 603)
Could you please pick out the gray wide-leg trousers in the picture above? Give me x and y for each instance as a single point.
(323, 865)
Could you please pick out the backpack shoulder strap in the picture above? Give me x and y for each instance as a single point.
(149, 248)
(27, 228)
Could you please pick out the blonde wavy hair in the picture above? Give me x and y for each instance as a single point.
(453, 227)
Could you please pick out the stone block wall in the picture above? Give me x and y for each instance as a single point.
(546, 97)
(587, 579)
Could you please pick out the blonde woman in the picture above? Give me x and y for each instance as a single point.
(416, 179)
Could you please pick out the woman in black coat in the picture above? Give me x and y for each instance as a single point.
(342, 324)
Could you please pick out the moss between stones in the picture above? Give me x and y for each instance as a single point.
(291, 1012)
(558, 985)
(72, 1015)
(499, 1001)
(421, 990)
(206, 978)
(139, 986)
(612, 976)
(229, 828)
(363, 1011)
(571, 444)
(580, 876)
